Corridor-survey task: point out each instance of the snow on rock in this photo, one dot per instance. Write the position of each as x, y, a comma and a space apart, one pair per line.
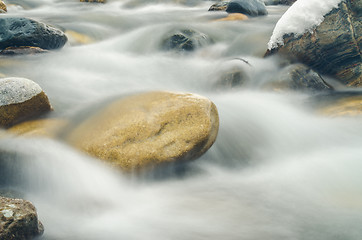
301, 17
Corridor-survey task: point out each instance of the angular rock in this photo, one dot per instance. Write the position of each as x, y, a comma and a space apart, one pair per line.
248, 7
299, 77
3, 8
220, 6
149, 129
333, 47
18, 220
20, 100
18, 32
185, 40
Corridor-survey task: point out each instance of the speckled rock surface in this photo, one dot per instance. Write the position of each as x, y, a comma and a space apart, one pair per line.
334, 47
148, 129
18, 220
21, 99
220, 6
18, 31
248, 7
3, 8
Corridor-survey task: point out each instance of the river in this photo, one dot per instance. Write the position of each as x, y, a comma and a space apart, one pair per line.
277, 171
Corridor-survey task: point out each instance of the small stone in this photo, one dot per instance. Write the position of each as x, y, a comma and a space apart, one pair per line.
21, 99
221, 6
248, 7
234, 17
185, 40
22, 50
94, 1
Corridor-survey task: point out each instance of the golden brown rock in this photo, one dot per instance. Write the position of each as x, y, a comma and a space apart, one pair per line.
234, 17
349, 106
149, 129
76, 38
3, 8
39, 128
21, 99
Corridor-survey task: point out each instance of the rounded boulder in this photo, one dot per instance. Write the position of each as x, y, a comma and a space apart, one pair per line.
149, 129
21, 99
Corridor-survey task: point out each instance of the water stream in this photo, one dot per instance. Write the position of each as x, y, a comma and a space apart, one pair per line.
277, 170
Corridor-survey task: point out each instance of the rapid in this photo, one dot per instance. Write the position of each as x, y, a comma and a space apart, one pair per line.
278, 170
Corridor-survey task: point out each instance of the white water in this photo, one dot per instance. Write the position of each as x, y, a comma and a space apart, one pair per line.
277, 170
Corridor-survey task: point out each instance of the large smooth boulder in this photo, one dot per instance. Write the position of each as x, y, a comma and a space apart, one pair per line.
20, 100
333, 47
19, 31
149, 129
18, 220
248, 7
185, 40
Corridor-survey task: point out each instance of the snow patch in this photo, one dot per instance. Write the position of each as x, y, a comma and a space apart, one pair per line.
301, 17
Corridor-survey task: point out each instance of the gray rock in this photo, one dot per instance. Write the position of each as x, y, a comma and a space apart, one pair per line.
279, 2
21, 99
233, 74
185, 40
248, 7
18, 32
299, 77
18, 220
333, 47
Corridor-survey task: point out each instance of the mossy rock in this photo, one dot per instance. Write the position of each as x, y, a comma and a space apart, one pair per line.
149, 129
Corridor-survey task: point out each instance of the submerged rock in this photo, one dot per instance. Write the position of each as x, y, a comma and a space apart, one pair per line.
299, 77
94, 1
185, 40
149, 129
248, 7
333, 47
18, 220
22, 50
339, 104
39, 128
234, 17
233, 74
281, 2
220, 6
20, 100
18, 32
3, 8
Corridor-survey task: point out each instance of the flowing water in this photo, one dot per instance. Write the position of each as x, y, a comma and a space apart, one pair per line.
277, 170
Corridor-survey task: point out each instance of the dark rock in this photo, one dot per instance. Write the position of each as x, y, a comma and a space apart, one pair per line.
299, 77
248, 7
22, 50
221, 6
18, 32
21, 99
333, 47
279, 2
185, 40
18, 220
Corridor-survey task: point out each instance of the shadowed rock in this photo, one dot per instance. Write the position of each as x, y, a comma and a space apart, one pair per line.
248, 7
185, 40
333, 47
18, 220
